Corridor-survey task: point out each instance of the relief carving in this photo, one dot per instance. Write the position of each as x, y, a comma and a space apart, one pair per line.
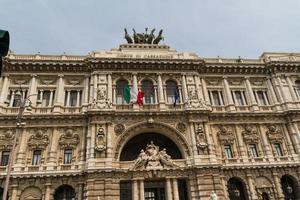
201, 143
68, 139
274, 134
100, 139
250, 135
119, 128
181, 127
225, 136
153, 158
6, 140
102, 99
193, 102
39, 140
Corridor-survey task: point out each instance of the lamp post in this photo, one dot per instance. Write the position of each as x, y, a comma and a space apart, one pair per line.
24, 103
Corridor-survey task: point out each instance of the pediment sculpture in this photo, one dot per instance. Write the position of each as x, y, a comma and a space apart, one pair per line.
6, 140
68, 139
274, 134
225, 136
153, 158
250, 135
39, 140
193, 102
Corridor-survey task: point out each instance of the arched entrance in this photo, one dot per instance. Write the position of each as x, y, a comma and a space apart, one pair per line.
31, 193
236, 189
64, 192
133, 147
290, 187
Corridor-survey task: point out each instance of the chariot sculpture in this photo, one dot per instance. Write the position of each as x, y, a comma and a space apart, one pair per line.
143, 38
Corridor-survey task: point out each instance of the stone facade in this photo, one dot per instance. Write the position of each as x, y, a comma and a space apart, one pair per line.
234, 127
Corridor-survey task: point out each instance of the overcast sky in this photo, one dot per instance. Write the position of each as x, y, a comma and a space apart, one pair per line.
210, 28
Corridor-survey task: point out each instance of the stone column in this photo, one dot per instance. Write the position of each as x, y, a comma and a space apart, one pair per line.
109, 88
193, 138
4, 90
23, 133
184, 89
278, 188
135, 87
205, 92
175, 189
54, 148
160, 89
93, 137
241, 144
68, 98
211, 147
251, 187
197, 82
142, 192
51, 98
60, 97
291, 88
290, 142
294, 133
281, 89
109, 132
135, 195
78, 98
48, 191
14, 192
12, 99
228, 94
272, 92
95, 86
155, 95
265, 142
33, 90
80, 192
168, 189
86, 91
253, 102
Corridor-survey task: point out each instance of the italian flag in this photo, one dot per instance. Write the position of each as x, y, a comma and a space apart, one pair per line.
132, 95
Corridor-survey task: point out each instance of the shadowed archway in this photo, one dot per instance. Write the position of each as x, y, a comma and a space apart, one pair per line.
133, 147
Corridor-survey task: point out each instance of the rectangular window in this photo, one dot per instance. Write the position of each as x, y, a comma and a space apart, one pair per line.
14, 97
125, 190
228, 151
261, 97
73, 98
216, 97
68, 156
278, 149
239, 97
297, 91
253, 150
37, 156
4, 158
46, 97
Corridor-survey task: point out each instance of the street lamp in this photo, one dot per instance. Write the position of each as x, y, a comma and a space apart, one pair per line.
4, 45
24, 104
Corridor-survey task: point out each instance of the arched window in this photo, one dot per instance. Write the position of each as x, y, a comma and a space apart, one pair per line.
236, 189
290, 187
297, 88
64, 192
148, 89
121, 84
172, 92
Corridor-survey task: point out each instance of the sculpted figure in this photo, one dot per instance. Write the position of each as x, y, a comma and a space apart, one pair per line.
127, 37
135, 37
150, 37
158, 38
213, 196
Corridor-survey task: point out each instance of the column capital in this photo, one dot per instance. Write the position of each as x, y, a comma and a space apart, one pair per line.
60, 75
158, 73
134, 73
33, 75
224, 77
247, 77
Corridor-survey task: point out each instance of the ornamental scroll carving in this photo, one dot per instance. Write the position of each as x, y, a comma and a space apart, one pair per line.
193, 102
100, 139
250, 135
274, 134
181, 127
39, 140
201, 143
119, 128
69, 139
7, 139
225, 136
153, 158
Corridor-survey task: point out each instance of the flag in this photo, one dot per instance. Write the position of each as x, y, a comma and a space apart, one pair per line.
133, 95
140, 98
126, 94
176, 97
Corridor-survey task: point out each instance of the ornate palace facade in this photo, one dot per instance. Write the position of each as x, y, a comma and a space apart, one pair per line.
233, 131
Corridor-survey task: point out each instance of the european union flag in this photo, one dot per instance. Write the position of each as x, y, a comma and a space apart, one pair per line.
176, 97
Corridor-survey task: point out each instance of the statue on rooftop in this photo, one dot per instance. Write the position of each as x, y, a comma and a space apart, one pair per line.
143, 38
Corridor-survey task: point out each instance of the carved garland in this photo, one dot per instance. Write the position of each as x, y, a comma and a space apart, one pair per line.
225, 136
274, 134
250, 135
6, 140
69, 139
39, 140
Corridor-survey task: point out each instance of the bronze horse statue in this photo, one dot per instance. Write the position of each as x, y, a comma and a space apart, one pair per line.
158, 38
151, 37
127, 37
